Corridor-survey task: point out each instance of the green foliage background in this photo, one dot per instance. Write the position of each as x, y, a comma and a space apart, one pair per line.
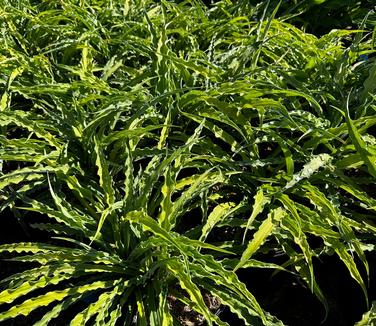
165, 145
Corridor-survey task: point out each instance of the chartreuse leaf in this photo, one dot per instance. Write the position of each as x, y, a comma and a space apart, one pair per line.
105, 214
265, 229
156, 167
44, 254
308, 97
369, 83
369, 318
177, 269
4, 102
71, 268
29, 305
204, 181
125, 134
219, 212
164, 315
216, 130
227, 282
129, 179
150, 225
237, 306
305, 273
260, 201
70, 218
348, 260
166, 204
141, 313
29, 247
106, 309
228, 298
97, 307
8, 296
28, 121
28, 174
251, 263
288, 155
332, 214
202, 245
351, 187
310, 168
361, 147
164, 131
155, 290
66, 213
57, 309
105, 179
116, 313
293, 224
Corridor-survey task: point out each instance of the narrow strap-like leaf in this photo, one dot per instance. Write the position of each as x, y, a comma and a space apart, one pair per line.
261, 234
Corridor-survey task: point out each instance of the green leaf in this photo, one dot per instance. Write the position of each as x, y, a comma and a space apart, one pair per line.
96, 308
219, 213
369, 317
309, 169
150, 225
105, 179
361, 147
177, 269
260, 201
30, 305
265, 229
28, 174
